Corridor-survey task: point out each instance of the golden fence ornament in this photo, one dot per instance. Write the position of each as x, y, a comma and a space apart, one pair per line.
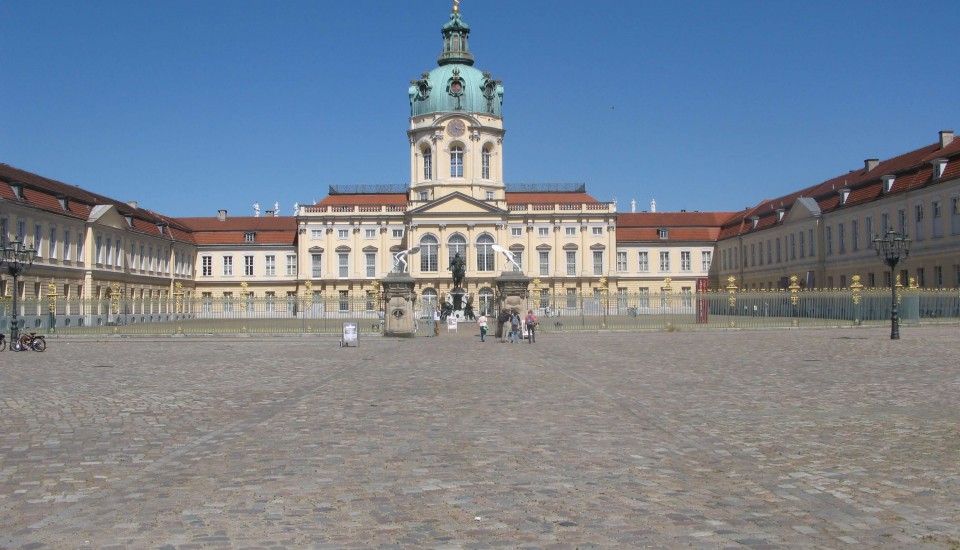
178, 299
52, 297
856, 287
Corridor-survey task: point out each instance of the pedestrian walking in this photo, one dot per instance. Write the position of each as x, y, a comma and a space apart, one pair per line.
531, 322
514, 327
482, 321
503, 325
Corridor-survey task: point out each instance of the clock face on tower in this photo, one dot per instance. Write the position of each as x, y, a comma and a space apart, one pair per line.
456, 128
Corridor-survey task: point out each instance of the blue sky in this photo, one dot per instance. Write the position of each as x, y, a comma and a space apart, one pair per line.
193, 106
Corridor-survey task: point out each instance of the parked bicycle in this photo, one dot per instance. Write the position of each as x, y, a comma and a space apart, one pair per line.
29, 341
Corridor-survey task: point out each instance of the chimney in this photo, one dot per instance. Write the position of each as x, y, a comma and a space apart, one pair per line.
870, 164
132, 204
946, 138
222, 215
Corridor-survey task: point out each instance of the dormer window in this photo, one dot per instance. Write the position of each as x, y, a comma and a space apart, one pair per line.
249, 237
129, 218
17, 189
663, 233
780, 214
754, 220
162, 228
64, 202
888, 182
939, 167
844, 195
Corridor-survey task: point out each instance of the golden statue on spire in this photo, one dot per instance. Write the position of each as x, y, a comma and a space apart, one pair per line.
456, 6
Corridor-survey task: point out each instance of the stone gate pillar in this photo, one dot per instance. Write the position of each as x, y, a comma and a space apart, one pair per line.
398, 297
512, 287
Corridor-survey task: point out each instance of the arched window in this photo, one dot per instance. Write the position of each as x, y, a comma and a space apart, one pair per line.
485, 253
429, 301
485, 297
428, 253
456, 161
456, 243
427, 163
485, 163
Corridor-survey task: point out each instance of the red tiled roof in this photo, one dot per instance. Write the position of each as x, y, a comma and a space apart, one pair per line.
672, 219
239, 237
681, 234
548, 198
269, 229
241, 223
40, 192
912, 170
364, 199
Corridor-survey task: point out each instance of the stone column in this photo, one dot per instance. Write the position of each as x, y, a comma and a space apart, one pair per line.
398, 297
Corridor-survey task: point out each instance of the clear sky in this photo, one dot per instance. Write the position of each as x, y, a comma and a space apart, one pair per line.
193, 106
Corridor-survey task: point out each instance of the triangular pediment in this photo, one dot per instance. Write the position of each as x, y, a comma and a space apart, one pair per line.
456, 203
106, 214
803, 208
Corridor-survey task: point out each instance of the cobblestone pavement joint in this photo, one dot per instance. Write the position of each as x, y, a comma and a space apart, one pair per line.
744, 439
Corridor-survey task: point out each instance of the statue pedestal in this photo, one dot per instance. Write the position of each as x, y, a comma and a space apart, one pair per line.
512, 286
398, 297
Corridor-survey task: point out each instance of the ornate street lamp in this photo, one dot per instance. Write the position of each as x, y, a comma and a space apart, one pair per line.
18, 258
893, 248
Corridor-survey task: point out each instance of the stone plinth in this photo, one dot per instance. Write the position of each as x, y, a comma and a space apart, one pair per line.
398, 297
512, 286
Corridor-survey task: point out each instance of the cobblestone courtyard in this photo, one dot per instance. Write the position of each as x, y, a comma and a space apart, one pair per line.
745, 439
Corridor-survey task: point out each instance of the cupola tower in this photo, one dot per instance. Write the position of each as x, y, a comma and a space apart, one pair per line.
456, 127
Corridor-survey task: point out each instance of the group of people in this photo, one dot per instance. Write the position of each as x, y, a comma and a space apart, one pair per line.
508, 326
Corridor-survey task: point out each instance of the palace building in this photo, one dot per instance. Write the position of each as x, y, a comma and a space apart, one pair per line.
457, 200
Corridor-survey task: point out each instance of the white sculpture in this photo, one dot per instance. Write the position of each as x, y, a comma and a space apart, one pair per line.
296, 208
401, 258
276, 209
508, 254
256, 210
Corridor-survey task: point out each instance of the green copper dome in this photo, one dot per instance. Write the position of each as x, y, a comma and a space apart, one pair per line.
455, 86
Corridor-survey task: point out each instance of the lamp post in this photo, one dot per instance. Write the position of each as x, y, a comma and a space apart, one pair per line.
18, 258
893, 248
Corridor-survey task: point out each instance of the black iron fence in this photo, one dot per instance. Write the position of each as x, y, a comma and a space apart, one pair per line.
566, 312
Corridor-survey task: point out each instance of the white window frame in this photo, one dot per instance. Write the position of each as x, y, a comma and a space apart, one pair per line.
621, 261
291, 265
206, 266
227, 265
270, 265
